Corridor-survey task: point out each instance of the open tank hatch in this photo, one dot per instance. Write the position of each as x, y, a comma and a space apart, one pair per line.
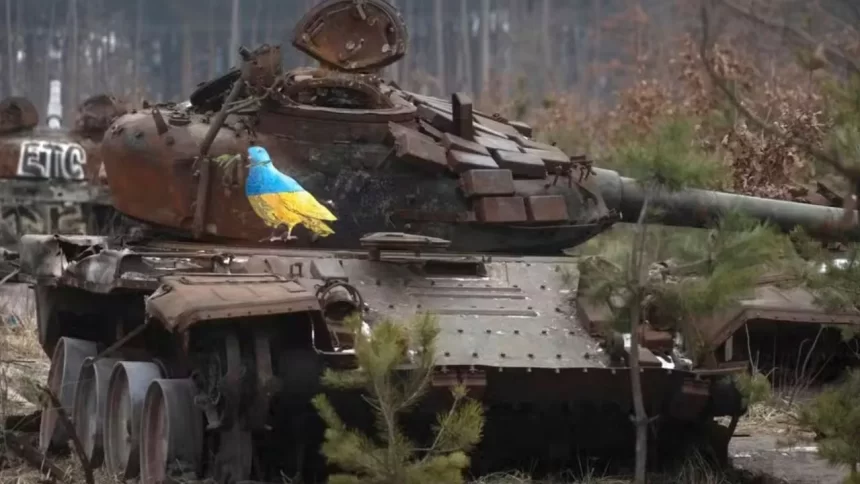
352, 36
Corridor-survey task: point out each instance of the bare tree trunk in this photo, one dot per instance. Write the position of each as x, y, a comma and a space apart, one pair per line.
10, 49
234, 34
138, 25
485, 46
594, 85
270, 29
187, 58
406, 68
640, 417
393, 71
73, 91
466, 26
255, 24
49, 44
212, 47
439, 23
546, 45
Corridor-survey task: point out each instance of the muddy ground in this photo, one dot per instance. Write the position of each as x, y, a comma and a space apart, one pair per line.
758, 449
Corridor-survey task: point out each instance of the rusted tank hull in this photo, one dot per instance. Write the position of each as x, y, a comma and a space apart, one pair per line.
509, 331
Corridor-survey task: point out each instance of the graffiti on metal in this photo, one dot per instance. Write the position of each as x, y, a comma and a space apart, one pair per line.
52, 159
44, 218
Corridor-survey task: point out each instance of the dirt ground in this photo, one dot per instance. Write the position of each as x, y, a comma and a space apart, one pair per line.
762, 454
756, 448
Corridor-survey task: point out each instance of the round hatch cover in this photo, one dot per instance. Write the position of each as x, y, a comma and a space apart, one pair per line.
352, 35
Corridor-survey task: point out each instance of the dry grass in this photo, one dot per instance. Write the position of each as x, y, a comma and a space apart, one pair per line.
23, 365
694, 471
19, 472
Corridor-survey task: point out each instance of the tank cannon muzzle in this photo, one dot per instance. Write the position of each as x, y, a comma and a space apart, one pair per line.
699, 208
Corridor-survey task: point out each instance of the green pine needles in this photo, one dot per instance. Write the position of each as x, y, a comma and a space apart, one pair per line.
835, 417
395, 368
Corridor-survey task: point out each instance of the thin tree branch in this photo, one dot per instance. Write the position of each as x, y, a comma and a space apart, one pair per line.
73, 434
796, 33
23, 449
852, 173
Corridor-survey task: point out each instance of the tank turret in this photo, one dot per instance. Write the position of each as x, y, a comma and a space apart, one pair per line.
388, 159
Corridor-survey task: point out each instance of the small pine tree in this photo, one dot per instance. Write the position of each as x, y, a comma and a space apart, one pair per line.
395, 366
835, 416
725, 264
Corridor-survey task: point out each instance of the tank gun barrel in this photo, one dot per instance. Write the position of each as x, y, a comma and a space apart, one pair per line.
698, 208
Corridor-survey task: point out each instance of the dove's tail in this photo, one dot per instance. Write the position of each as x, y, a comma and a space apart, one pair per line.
317, 226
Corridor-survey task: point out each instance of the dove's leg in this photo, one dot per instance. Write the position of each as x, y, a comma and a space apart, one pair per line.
272, 237
289, 235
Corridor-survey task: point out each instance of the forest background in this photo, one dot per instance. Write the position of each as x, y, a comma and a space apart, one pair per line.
585, 72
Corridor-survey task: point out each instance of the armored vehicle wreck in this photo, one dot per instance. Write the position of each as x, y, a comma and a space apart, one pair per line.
49, 178
196, 347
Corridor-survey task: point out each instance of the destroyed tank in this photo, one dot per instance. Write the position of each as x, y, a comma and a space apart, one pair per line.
49, 177
190, 348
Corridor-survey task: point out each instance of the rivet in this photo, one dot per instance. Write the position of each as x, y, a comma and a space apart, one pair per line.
516, 286
488, 331
447, 353
390, 306
531, 355
558, 310
543, 331
502, 355
460, 331
543, 286
530, 307
419, 306
475, 354
516, 331
558, 356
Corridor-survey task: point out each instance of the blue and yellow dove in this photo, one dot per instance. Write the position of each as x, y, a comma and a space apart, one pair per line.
279, 199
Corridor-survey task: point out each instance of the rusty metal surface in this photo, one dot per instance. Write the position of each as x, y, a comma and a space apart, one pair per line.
546, 208
510, 311
522, 164
17, 114
500, 209
418, 150
460, 161
352, 36
774, 304
48, 155
95, 115
454, 142
184, 300
487, 182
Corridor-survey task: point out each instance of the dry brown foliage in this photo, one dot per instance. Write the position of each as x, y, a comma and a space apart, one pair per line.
778, 90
